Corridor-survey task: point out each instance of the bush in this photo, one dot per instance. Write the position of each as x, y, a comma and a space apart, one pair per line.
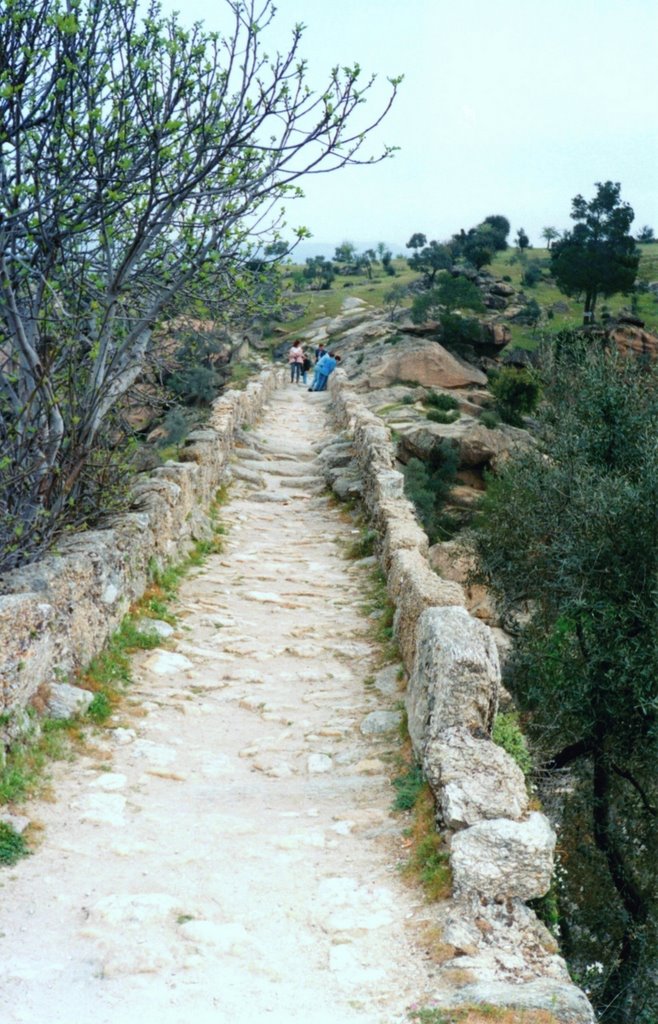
441, 416
195, 385
12, 845
517, 394
531, 275
176, 425
507, 734
490, 419
439, 400
427, 486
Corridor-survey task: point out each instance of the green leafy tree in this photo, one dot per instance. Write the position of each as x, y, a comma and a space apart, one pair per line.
319, 271
137, 158
599, 256
522, 240
646, 235
568, 544
449, 294
549, 235
428, 259
345, 256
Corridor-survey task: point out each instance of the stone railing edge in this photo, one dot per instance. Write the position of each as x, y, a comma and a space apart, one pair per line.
58, 612
501, 851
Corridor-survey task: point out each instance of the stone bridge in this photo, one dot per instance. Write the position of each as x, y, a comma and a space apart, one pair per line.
224, 849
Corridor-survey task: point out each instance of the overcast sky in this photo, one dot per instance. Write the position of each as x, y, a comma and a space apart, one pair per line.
506, 108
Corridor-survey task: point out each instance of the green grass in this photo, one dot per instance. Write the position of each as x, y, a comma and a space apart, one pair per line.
429, 860
408, 787
23, 772
12, 845
505, 264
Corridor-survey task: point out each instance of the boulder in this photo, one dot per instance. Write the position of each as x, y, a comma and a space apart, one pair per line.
502, 858
427, 364
65, 701
473, 779
455, 677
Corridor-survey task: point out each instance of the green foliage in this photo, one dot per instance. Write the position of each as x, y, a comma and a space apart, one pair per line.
441, 400
408, 787
100, 708
429, 259
599, 256
531, 275
449, 294
490, 419
25, 761
195, 385
517, 393
176, 425
443, 416
507, 734
427, 486
12, 845
569, 540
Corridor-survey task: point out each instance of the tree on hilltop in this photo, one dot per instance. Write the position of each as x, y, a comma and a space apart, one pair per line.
599, 255
549, 235
429, 258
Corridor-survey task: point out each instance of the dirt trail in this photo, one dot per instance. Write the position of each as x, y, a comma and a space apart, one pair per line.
233, 861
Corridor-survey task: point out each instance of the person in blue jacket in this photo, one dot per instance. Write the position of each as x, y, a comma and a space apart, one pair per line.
324, 368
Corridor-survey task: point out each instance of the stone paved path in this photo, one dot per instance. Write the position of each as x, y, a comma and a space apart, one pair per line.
226, 854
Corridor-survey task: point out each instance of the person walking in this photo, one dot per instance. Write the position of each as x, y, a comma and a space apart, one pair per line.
325, 367
296, 362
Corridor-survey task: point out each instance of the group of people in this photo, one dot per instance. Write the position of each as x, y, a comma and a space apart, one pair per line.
300, 364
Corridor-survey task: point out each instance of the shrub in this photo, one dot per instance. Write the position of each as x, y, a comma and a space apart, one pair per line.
442, 416
176, 424
489, 419
195, 385
427, 486
12, 845
517, 394
440, 400
531, 275
507, 734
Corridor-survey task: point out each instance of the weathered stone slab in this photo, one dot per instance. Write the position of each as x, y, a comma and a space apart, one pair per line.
455, 677
502, 858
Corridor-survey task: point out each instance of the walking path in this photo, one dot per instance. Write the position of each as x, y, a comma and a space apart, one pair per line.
227, 853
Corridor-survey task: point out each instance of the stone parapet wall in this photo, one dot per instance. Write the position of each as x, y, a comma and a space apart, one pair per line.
501, 852
57, 613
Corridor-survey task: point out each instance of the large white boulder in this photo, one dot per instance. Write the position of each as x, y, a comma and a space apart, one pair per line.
503, 858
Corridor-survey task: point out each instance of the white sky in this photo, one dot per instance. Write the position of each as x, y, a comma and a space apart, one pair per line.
509, 107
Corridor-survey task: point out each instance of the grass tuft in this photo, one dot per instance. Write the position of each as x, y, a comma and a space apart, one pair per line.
12, 845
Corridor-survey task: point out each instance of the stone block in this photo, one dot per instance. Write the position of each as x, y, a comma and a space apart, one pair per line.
455, 677
473, 779
502, 858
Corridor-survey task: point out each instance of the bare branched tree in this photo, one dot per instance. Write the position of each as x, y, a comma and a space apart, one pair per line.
135, 155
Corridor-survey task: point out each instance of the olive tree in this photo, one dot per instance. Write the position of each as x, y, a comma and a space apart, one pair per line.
135, 155
599, 255
569, 539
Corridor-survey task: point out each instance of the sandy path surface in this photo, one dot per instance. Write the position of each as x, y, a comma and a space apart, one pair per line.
234, 860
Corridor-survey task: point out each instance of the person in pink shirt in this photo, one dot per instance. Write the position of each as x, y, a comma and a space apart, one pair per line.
296, 362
